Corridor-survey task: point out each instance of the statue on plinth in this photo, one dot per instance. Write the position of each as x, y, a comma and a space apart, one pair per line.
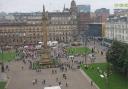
45, 54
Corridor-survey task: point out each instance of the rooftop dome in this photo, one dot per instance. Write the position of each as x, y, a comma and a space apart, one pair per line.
73, 3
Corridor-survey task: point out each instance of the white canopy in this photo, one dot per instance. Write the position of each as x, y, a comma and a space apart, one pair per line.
25, 46
71, 56
52, 87
40, 42
55, 42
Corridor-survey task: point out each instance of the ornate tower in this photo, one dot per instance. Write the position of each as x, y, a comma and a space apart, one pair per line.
73, 8
45, 55
73, 12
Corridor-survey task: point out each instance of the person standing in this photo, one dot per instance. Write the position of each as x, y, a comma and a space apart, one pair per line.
56, 79
44, 81
66, 84
22, 67
52, 71
91, 83
35, 81
55, 71
59, 83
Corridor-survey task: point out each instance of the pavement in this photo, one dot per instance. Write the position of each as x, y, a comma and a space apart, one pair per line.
22, 79
3, 77
76, 79
98, 48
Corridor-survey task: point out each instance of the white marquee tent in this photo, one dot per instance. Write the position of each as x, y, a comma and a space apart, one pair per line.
52, 87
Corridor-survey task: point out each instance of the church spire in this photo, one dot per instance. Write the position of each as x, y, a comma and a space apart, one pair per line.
64, 7
43, 9
44, 14
73, 7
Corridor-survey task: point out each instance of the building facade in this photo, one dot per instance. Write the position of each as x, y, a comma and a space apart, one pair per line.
83, 8
102, 15
117, 28
27, 27
120, 11
83, 19
94, 30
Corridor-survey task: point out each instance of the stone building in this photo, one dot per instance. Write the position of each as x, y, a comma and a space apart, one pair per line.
102, 15
117, 28
27, 27
83, 20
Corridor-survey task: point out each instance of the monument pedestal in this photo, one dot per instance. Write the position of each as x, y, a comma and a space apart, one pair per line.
45, 57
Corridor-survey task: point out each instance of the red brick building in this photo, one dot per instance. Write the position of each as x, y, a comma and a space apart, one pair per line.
83, 21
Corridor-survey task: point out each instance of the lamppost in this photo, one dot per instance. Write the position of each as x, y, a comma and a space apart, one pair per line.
2, 65
85, 45
107, 77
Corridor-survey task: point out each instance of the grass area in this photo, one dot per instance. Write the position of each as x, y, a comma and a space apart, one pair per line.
7, 56
115, 80
2, 85
78, 51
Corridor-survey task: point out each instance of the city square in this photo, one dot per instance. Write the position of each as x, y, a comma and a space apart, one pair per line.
76, 46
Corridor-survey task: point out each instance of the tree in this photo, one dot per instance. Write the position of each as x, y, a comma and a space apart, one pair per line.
118, 56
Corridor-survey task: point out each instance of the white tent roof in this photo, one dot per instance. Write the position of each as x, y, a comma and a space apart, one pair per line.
71, 56
53, 87
55, 42
40, 42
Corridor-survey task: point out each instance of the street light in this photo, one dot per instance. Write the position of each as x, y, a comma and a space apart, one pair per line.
2, 65
107, 77
85, 45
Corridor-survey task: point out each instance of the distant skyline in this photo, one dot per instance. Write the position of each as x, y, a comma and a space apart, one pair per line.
53, 5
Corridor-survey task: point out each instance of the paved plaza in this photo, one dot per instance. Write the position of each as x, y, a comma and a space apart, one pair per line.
98, 48
22, 79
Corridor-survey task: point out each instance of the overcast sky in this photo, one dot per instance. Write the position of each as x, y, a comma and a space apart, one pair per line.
52, 5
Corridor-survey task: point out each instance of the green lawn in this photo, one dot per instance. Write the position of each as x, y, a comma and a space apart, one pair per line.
116, 80
80, 50
7, 56
2, 85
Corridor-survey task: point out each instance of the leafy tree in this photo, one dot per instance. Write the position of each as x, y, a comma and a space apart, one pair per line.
118, 56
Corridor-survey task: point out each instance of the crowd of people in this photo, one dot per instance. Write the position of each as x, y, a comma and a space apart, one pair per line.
61, 80
61, 72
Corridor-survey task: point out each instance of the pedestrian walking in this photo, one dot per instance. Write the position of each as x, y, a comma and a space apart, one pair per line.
7, 68
101, 53
33, 82
72, 61
44, 81
66, 69
55, 71
22, 67
66, 84
59, 83
91, 83
56, 79
24, 61
63, 75
52, 71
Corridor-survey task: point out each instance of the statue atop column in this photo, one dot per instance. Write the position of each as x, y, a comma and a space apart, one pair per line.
45, 54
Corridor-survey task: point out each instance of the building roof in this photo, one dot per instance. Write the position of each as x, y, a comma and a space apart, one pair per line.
58, 14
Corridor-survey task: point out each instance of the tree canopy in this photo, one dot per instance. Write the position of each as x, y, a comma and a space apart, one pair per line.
118, 56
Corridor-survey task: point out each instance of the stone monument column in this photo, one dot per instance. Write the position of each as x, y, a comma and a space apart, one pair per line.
45, 54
